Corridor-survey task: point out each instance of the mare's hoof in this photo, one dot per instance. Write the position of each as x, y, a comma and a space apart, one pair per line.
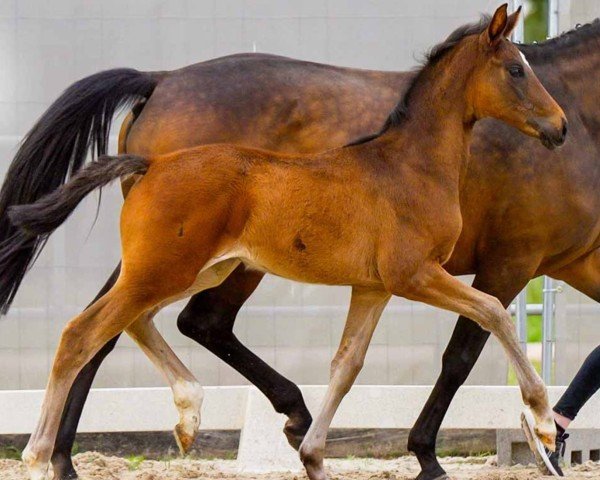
443, 476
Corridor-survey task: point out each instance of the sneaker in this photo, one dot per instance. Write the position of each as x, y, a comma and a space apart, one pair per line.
548, 462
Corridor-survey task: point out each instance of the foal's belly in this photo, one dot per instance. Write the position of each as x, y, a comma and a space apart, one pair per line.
308, 263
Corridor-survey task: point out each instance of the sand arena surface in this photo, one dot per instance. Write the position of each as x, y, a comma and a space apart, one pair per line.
94, 466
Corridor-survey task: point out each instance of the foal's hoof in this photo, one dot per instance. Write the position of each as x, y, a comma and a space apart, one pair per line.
184, 439
545, 430
37, 470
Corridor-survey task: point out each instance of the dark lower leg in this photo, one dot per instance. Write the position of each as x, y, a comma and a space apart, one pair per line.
209, 318
585, 384
460, 356
466, 344
61, 457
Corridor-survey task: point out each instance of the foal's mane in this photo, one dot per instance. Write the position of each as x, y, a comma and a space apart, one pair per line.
401, 111
548, 49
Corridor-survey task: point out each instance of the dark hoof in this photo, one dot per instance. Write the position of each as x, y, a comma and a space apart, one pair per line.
433, 476
63, 469
72, 475
295, 429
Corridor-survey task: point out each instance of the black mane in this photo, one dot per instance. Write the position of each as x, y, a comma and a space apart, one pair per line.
400, 112
547, 50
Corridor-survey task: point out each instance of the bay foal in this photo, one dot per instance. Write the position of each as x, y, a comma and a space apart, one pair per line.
382, 216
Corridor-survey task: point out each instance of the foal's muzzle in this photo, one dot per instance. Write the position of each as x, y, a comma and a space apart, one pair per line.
550, 134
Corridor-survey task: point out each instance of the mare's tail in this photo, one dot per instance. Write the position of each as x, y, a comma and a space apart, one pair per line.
36, 221
55, 149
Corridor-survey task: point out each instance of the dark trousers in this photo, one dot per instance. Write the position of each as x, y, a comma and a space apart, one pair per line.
583, 386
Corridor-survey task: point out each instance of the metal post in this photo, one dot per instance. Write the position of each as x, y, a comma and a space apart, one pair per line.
548, 329
521, 319
552, 18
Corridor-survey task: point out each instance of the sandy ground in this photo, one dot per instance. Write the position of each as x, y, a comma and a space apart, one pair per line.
94, 466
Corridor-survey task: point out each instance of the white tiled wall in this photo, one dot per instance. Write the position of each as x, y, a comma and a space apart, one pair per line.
46, 45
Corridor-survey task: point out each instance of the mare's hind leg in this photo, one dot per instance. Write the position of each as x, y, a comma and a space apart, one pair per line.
366, 307
433, 285
209, 318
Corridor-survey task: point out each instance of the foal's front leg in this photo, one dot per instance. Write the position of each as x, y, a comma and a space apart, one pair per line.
433, 285
366, 307
187, 391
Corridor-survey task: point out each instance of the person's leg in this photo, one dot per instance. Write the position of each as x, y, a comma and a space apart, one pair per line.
584, 275
585, 384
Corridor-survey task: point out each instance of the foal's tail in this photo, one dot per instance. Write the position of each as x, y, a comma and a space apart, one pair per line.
35, 222
56, 148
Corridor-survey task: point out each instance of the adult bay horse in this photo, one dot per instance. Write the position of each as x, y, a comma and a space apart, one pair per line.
526, 211
382, 215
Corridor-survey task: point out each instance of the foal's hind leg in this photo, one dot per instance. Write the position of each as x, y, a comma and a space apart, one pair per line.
187, 391
433, 285
366, 307
81, 339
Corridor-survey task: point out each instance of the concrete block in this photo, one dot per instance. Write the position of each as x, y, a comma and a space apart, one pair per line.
263, 447
512, 447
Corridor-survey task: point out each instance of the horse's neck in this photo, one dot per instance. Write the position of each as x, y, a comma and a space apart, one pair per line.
439, 124
572, 75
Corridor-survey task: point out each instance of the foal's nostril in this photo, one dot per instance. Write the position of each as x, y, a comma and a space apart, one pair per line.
564, 129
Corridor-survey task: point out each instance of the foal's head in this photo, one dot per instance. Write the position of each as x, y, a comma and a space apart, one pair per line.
504, 86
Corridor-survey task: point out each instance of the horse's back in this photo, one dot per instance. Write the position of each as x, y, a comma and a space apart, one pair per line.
264, 101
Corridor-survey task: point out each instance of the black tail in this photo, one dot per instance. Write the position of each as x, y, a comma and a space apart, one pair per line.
56, 148
36, 221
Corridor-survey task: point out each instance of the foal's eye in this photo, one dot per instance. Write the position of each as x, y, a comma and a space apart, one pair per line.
516, 71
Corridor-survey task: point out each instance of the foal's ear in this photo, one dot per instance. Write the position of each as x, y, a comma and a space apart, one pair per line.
512, 21
498, 24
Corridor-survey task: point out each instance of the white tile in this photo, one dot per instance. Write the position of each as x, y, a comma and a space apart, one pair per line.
8, 126
205, 366
112, 9
45, 58
87, 48
280, 36
229, 8
313, 40
46, 9
130, 42
34, 368
33, 332
199, 40
8, 59
174, 8
172, 44
10, 361
228, 37
272, 8
117, 370
10, 331
8, 8
313, 8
